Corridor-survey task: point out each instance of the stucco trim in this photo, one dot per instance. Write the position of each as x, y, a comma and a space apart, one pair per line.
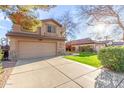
36, 36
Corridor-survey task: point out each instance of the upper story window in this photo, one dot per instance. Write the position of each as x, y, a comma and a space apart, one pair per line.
51, 29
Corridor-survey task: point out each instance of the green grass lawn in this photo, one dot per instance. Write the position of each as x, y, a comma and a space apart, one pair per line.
86, 58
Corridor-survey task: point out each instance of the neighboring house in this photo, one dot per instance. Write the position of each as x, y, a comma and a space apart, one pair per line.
110, 43
48, 40
118, 44
102, 44
76, 45
105, 43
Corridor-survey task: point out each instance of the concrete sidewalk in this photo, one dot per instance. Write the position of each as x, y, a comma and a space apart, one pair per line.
51, 73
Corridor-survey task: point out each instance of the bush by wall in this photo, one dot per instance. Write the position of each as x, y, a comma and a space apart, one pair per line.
112, 58
85, 48
1, 55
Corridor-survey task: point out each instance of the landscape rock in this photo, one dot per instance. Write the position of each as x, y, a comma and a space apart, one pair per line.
109, 79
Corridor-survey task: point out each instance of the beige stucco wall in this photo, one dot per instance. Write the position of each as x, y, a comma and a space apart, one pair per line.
99, 46
43, 30
60, 47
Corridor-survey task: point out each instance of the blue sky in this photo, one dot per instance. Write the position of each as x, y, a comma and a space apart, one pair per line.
6, 25
59, 11
82, 31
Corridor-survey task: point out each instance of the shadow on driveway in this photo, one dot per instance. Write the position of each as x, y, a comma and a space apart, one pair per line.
32, 60
10, 64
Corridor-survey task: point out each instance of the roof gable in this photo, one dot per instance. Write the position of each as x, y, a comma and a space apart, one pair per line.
54, 21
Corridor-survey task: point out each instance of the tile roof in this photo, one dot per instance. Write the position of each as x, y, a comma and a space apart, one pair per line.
90, 41
81, 41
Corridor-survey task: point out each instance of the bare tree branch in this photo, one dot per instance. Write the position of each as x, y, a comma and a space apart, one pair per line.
67, 21
106, 14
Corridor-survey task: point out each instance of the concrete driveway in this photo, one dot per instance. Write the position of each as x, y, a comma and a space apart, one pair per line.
54, 72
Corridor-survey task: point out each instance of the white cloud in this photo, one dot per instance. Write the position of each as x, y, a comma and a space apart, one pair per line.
3, 28
102, 30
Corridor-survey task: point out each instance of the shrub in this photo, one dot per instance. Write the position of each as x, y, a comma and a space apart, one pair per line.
85, 48
1, 55
112, 58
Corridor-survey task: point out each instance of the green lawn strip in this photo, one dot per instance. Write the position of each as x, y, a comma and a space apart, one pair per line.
86, 59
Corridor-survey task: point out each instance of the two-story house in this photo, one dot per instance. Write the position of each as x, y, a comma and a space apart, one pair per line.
48, 40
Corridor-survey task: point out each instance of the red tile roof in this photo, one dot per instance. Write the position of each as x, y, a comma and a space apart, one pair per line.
90, 41
80, 42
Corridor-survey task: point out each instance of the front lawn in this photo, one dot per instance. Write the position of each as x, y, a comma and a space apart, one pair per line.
86, 58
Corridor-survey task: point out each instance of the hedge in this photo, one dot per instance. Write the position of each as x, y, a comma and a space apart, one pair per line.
85, 48
1, 55
112, 58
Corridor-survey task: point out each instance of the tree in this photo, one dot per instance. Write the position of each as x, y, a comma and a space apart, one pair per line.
23, 15
70, 26
107, 14
4, 41
28, 23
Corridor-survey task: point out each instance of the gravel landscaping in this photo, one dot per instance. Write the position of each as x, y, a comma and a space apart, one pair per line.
6, 70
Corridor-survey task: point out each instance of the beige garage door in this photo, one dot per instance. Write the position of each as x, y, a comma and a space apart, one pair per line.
36, 49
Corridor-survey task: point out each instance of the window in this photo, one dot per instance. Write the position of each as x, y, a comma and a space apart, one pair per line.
51, 29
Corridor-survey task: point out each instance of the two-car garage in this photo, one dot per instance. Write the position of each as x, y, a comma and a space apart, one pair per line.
36, 49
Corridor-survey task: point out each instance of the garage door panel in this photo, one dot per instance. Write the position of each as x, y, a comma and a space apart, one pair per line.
36, 49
